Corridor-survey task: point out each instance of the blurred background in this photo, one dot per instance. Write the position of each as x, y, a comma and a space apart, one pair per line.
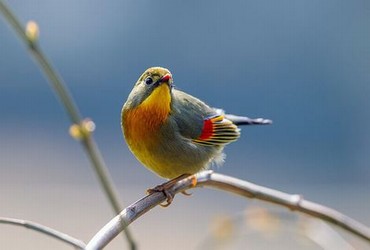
304, 64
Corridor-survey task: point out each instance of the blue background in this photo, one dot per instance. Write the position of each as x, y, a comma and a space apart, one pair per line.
303, 64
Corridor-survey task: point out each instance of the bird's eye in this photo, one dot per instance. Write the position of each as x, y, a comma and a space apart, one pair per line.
149, 80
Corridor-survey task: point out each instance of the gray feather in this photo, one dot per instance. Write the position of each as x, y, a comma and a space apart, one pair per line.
189, 113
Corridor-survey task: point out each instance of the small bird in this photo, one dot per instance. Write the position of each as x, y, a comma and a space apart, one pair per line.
173, 133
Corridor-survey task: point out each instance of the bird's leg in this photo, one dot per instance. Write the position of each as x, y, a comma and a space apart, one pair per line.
169, 184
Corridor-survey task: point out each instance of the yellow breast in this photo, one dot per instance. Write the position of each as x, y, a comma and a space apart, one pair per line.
142, 123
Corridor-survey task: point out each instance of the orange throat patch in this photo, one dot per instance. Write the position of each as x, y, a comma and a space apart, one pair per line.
142, 123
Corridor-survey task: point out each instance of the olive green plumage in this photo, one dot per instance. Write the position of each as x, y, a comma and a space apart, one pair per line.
171, 132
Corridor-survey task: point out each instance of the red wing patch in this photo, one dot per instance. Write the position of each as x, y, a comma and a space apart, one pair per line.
217, 131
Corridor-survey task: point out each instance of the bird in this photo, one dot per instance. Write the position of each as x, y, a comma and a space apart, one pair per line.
175, 134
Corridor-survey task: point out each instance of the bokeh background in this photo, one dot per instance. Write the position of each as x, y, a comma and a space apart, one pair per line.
305, 64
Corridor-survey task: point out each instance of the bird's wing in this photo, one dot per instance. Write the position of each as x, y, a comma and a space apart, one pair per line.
200, 123
217, 131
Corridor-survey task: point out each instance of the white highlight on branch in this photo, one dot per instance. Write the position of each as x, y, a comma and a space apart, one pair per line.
233, 185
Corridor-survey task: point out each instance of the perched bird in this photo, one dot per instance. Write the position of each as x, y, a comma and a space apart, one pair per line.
173, 133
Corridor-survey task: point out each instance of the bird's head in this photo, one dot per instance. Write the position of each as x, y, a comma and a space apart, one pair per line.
152, 89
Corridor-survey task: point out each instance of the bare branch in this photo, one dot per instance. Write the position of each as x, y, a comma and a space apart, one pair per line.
30, 38
233, 185
44, 230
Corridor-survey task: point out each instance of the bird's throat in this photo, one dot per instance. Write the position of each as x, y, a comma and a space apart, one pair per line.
143, 122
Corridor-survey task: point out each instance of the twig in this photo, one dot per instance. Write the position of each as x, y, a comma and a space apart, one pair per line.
60, 89
233, 185
45, 230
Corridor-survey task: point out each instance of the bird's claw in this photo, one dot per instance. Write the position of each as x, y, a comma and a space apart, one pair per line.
186, 193
162, 188
167, 185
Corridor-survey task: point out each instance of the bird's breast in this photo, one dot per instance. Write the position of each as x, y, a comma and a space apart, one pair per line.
142, 123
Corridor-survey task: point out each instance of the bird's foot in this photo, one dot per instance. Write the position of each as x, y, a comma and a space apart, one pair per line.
186, 193
169, 184
193, 184
164, 189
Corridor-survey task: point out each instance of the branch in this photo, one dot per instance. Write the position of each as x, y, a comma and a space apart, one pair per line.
44, 230
232, 185
81, 128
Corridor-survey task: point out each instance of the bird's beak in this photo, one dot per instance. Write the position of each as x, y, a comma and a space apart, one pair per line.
167, 78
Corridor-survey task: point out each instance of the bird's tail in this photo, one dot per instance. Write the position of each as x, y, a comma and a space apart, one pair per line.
243, 120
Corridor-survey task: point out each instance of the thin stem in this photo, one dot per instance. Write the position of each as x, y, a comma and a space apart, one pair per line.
44, 230
96, 159
233, 185
65, 97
